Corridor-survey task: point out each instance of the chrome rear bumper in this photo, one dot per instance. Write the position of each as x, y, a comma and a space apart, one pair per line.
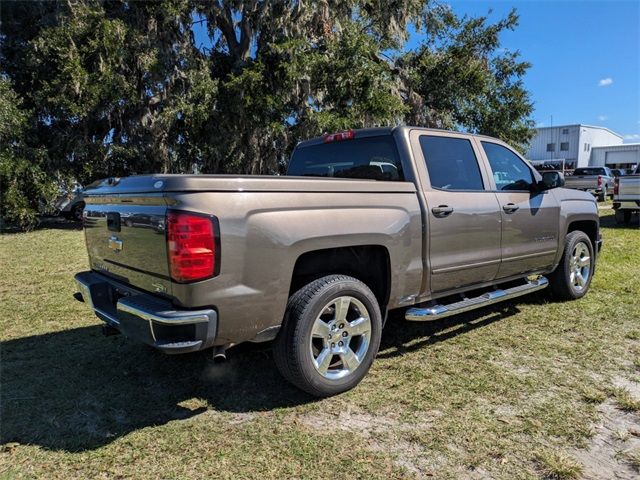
147, 318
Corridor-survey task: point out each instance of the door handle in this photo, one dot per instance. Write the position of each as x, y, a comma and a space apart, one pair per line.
442, 210
510, 207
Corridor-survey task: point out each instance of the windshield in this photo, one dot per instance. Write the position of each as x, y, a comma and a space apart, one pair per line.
374, 158
589, 171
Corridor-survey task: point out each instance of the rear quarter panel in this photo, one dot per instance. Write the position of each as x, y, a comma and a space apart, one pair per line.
263, 234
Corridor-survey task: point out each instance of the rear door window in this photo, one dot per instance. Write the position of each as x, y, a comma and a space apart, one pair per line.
451, 163
374, 158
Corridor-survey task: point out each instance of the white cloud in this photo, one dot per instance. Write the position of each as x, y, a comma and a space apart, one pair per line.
633, 136
605, 82
602, 118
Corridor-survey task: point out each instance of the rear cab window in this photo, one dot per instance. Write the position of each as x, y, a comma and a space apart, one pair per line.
589, 171
374, 158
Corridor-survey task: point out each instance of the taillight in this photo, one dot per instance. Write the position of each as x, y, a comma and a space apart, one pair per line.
193, 246
339, 136
616, 185
599, 181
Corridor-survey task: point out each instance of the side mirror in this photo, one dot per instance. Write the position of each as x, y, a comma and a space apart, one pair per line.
551, 180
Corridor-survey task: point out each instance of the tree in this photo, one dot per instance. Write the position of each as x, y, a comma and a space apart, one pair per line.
25, 188
115, 88
461, 79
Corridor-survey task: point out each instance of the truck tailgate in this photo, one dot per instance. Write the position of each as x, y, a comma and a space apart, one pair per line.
582, 182
125, 236
628, 188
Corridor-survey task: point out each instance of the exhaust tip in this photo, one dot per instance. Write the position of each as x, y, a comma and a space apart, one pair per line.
219, 354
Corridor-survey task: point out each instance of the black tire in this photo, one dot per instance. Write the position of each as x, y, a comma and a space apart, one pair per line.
292, 349
560, 281
603, 195
76, 212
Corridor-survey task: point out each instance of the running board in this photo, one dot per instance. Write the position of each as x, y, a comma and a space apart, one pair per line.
436, 312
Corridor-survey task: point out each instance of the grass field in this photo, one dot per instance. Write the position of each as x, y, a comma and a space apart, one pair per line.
529, 389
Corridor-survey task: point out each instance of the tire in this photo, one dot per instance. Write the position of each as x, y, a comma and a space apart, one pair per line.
76, 212
564, 282
603, 195
317, 364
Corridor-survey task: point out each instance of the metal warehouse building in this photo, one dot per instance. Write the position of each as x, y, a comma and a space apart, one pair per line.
582, 146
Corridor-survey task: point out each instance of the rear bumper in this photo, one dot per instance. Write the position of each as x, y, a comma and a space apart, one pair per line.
626, 205
145, 317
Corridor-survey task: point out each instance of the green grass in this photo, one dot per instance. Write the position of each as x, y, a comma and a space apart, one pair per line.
558, 465
493, 393
625, 400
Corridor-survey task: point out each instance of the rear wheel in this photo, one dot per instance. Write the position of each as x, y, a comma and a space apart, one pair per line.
572, 278
603, 195
330, 335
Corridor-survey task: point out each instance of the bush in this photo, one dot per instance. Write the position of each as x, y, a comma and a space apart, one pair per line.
26, 190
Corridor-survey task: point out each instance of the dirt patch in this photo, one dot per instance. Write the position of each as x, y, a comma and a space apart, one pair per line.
366, 424
616, 433
386, 433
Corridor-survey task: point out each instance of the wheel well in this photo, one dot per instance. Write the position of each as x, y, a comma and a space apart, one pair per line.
587, 226
367, 263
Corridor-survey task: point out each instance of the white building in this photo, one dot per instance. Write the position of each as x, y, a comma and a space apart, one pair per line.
582, 146
626, 155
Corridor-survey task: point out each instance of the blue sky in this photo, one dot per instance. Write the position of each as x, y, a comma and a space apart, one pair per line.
585, 58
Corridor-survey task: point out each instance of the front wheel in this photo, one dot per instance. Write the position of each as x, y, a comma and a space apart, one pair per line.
76, 212
572, 278
330, 335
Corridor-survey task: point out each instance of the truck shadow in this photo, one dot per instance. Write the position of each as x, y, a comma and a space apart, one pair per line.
398, 333
609, 221
75, 390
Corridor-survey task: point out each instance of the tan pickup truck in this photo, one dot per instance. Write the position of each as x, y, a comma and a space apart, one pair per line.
366, 221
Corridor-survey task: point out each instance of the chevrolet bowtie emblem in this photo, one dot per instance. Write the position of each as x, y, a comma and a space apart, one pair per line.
115, 243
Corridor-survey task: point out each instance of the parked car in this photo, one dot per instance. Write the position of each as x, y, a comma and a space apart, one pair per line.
71, 204
618, 172
315, 260
595, 180
626, 196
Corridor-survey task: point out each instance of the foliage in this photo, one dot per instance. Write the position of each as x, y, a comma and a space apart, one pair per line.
459, 80
117, 88
24, 186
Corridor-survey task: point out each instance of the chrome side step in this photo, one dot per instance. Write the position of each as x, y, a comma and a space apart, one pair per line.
436, 312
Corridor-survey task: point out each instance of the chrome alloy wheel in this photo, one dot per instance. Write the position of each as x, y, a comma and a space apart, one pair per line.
580, 266
340, 337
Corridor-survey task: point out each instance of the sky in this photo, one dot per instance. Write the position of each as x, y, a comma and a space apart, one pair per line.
585, 57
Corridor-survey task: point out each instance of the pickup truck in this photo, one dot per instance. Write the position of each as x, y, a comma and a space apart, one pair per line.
626, 196
596, 180
366, 221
